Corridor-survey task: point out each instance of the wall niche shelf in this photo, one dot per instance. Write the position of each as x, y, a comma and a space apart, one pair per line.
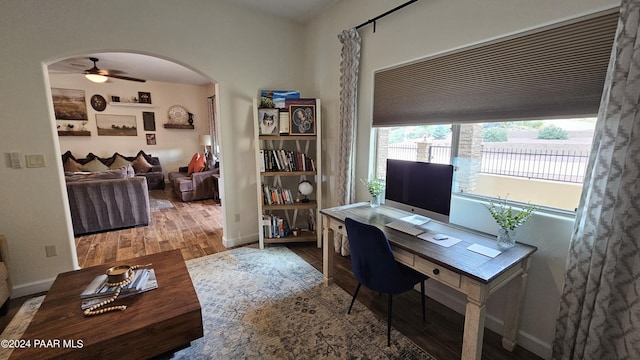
130, 104
178, 126
74, 133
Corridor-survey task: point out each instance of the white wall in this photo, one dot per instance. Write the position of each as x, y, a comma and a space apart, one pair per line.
240, 50
420, 30
174, 147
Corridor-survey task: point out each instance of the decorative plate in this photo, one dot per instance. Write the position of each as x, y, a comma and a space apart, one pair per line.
178, 114
98, 103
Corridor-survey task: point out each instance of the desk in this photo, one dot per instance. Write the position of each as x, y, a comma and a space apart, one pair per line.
475, 275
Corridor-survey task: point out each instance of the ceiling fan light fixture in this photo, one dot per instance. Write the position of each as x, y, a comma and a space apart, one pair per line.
96, 78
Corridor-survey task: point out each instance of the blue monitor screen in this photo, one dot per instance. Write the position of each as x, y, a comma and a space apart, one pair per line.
419, 187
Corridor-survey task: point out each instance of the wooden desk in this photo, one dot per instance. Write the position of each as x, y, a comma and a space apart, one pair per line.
154, 323
475, 275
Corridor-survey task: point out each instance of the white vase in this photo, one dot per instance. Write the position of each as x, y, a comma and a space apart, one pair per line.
506, 238
375, 201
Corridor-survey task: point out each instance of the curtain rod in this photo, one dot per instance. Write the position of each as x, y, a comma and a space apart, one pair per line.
383, 15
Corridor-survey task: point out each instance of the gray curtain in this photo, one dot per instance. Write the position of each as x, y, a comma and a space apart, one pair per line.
349, 66
212, 126
600, 306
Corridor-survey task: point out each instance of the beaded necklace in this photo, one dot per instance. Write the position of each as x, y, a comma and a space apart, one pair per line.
95, 309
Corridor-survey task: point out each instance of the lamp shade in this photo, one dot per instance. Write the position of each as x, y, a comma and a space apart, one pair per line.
96, 78
205, 140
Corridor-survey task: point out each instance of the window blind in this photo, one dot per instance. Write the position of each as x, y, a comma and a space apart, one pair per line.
551, 73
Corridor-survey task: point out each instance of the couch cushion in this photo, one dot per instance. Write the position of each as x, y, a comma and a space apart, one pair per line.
141, 165
71, 165
118, 162
183, 184
94, 165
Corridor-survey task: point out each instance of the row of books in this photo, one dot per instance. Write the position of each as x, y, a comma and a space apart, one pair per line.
274, 226
285, 160
97, 291
276, 195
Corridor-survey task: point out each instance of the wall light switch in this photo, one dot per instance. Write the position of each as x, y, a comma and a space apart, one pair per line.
13, 159
34, 161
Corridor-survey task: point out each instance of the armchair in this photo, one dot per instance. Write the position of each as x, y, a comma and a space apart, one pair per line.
194, 186
5, 280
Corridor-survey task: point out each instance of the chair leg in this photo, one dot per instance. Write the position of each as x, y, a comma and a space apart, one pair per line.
424, 317
389, 321
354, 298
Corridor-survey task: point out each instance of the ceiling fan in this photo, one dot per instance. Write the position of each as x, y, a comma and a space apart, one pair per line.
97, 75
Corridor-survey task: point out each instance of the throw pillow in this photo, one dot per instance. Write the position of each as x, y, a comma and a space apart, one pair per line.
192, 163
118, 162
71, 165
141, 165
94, 165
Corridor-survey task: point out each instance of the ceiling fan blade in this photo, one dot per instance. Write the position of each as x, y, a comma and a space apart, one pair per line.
125, 77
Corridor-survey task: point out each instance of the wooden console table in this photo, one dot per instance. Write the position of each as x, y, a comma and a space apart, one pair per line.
155, 322
473, 274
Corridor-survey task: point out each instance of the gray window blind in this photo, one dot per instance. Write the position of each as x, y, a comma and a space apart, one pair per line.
552, 73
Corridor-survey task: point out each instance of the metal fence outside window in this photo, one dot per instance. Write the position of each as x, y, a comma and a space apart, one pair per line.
554, 165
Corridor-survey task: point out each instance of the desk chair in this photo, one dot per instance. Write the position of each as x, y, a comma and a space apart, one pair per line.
374, 266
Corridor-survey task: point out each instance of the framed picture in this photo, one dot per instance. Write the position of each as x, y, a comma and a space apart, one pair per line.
268, 121
144, 97
302, 119
278, 96
116, 125
69, 104
151, 139
149, 120
284, 122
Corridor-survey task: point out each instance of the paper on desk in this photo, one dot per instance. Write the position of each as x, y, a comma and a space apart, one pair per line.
415, 219
486, 251
446, 242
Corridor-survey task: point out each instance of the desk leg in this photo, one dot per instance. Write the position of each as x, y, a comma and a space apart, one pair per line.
327, 251
514, 311
473, 330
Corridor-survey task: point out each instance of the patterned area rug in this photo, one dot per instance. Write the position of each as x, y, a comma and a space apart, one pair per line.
159, 204
19, 323
271, 304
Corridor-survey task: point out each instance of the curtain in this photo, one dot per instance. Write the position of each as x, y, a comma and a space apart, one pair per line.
212, 127
600, 308
349, 65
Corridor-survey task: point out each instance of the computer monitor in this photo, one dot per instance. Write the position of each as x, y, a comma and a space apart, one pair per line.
419, 187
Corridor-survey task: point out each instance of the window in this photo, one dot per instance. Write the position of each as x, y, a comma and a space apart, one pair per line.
542, 162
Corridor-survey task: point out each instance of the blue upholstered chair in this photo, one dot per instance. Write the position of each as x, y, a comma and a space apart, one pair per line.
374, 266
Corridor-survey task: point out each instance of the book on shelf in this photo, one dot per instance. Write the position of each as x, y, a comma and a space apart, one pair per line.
285, 160
275, 227
150, 283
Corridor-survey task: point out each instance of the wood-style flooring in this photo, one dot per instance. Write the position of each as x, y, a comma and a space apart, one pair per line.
196, 229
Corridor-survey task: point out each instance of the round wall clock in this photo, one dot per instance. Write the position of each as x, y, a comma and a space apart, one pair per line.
98, 103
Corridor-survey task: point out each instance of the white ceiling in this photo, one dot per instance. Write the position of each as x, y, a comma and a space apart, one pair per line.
155, 69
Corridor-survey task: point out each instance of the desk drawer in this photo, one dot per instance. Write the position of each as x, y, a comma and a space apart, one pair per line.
437, 272
403, 256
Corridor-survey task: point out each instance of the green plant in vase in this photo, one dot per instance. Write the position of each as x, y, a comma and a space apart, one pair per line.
376, 188
509, 220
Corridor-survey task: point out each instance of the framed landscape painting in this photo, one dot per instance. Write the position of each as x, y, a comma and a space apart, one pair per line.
116, 125
69, 104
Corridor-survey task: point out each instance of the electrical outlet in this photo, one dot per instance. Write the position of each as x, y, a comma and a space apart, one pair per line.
51, 250
237, 217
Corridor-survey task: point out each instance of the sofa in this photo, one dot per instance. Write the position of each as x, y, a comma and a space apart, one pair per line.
107, 200
5, 280
196, 181
143, 164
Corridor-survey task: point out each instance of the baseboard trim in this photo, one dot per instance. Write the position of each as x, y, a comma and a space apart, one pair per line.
526, 340
229, 243
32, 288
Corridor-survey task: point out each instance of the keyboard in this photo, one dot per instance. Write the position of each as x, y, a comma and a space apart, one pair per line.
405, 227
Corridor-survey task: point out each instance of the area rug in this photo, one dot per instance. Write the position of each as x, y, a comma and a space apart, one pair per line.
159, 204
271, 304
19, 323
